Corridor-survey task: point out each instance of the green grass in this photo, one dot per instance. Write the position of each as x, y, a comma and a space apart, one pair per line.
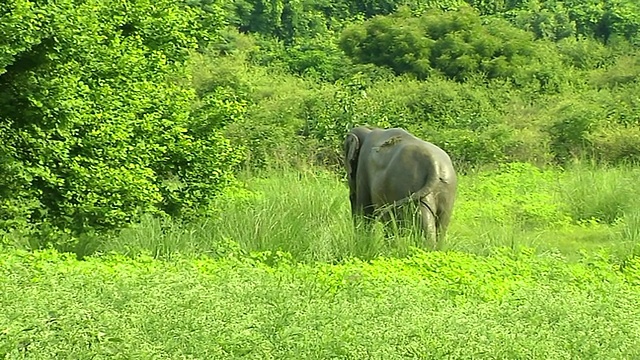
306, 213
435, 305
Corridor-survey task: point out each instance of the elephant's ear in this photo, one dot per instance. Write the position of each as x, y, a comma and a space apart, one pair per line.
352, 144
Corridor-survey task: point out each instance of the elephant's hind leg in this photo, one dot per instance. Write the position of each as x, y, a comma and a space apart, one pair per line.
429, 221
445, 210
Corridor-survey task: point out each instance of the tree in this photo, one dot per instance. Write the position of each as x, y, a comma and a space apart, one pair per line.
94, 128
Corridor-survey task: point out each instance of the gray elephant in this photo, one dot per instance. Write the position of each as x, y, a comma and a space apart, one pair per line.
388, 168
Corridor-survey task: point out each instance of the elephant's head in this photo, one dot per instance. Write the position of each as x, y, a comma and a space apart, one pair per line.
352, 143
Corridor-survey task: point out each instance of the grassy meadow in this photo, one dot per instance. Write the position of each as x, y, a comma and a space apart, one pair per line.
538, 263
171, 183
437, 305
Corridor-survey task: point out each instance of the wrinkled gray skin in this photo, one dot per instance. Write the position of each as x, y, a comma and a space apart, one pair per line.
388, 168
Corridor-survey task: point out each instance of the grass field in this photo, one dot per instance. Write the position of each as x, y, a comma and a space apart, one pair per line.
538, 264
509, 305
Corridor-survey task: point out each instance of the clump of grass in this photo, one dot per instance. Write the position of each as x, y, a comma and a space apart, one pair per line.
603, 194
303, 213
629, 233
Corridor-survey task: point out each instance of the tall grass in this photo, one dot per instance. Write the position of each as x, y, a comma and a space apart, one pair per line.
605, 194
306, 214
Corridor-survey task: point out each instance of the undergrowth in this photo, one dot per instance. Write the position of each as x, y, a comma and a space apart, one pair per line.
306, 213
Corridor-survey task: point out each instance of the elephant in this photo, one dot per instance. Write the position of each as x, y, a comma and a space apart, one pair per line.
389, 168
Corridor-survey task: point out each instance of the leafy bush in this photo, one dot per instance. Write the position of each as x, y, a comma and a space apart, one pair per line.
94, 130
616, 143
624, 71
318, 57
606, 20
596, 124
584, 53
573, 122
394, 41
458, 44
545, 23
460, 118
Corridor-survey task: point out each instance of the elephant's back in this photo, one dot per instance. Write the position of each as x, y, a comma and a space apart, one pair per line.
426, 159
437, 156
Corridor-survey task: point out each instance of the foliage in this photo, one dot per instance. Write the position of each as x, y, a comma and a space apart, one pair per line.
458, 44
511, 304
94, 129
555, 20
306, 213
584, 53
538, 83
604, 195
132, 111
102, 121
289, 20
553, 24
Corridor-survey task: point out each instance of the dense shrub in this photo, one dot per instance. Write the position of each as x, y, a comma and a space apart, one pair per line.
600, 124
584, 53
459, 44
289, 20
569, 130
554, 20
546, 24
93, 128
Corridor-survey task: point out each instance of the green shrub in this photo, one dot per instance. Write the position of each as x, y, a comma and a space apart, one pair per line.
572, 122
469, 148
459, 44
318, 57
545, 23
616, 144
584, 53
623, 72
599, 125
94, 130
395, 41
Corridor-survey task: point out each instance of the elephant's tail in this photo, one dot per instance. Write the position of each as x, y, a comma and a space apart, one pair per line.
431, 181
418, 196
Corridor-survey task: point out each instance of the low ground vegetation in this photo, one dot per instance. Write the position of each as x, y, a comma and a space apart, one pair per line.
529, 268
512, 304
